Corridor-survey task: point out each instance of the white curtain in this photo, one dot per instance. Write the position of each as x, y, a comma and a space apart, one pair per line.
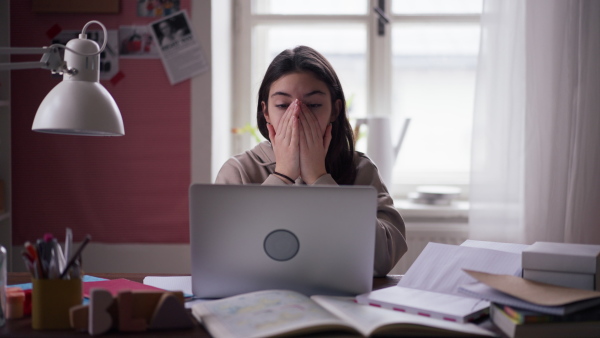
536, 138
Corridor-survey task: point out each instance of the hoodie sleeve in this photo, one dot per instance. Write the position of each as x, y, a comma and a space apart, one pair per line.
231, 173
390, 238
249, 172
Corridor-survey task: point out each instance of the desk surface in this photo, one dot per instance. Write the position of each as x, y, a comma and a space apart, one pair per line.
22, 327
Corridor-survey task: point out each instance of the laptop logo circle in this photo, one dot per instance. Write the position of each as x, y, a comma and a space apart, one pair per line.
281, 245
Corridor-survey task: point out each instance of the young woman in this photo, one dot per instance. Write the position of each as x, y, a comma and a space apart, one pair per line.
302, 112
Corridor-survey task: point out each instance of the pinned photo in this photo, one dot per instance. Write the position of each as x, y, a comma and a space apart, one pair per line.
137, 42
181, 53
172, 31
157, 8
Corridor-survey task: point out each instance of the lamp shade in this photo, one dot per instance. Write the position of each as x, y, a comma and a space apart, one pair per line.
79, 104
79, 108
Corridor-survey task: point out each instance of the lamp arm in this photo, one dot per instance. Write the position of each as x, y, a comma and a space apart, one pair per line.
50, 59
23, 50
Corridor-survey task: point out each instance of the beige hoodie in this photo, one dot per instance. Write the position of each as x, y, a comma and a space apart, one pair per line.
257, 166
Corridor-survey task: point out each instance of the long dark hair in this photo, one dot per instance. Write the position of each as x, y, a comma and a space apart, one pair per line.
339, 160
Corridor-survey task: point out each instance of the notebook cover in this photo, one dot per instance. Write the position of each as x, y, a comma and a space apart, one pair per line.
116, 285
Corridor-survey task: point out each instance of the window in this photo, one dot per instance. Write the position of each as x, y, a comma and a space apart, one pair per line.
422, 68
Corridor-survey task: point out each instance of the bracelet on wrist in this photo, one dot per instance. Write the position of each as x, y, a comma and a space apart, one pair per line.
284, 176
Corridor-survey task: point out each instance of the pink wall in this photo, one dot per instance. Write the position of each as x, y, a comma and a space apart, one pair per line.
130, 189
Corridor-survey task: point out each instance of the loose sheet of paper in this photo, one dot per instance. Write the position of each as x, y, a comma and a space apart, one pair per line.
507, 247
171, 283
439, 267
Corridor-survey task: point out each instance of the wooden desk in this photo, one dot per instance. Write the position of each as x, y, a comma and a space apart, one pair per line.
22, 327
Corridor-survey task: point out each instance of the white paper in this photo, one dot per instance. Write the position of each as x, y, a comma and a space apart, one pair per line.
171, 283
181, 53
507, 247
439, 267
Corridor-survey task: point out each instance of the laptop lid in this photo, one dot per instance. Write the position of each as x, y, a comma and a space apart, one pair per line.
314, 240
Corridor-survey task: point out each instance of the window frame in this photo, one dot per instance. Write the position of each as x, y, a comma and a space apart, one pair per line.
378, 58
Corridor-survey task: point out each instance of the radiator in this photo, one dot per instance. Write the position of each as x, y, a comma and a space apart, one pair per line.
419, 234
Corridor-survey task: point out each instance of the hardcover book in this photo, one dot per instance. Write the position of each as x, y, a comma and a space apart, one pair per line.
563, 257
513, 328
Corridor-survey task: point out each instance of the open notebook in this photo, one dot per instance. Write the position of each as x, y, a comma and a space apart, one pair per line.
431, 286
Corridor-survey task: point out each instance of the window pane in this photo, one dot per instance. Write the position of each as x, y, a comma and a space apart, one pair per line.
344, 45
434, 83
437, 6
333, 7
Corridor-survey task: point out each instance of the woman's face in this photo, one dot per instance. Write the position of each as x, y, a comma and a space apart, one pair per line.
309, 90
165, 28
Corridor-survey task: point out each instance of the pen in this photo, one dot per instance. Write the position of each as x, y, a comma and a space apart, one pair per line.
31, 250
54, 264
60, 257
68, 244
35, 259
42, 255
28, 262
76, 256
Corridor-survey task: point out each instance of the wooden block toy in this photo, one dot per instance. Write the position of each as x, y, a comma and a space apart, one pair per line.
170, 314
144, 302
15, 303
127, 321
100, 319
79, 317
131, 311
27, 304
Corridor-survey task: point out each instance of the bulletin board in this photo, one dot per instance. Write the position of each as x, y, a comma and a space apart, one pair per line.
129, 189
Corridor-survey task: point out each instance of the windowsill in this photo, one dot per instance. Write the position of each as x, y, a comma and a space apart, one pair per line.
457, 212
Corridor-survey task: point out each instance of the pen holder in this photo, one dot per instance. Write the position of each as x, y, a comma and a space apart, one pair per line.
51, 301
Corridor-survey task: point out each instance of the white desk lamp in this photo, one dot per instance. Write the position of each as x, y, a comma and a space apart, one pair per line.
79, 105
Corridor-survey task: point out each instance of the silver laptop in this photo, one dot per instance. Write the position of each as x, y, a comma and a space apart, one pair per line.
315, 240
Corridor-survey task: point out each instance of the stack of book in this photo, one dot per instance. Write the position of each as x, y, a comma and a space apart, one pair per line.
525, 308
565, 264
515, 322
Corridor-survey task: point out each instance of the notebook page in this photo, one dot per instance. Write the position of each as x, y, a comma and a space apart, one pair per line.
439, 267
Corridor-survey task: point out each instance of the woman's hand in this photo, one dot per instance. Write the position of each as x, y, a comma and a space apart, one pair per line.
314, 143
285, 142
